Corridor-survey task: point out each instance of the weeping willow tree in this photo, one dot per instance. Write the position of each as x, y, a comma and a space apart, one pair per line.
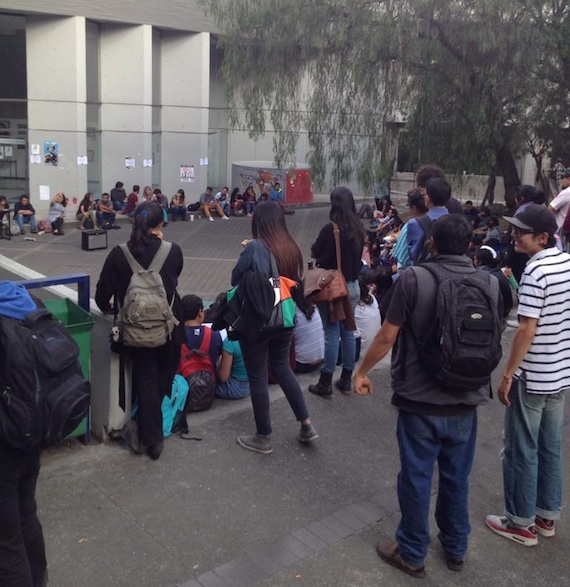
464, 74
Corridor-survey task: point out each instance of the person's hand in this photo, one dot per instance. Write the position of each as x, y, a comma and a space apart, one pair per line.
244, 243
504, 390
362, 385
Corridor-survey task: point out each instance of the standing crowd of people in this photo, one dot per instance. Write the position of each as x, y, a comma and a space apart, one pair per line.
398, 300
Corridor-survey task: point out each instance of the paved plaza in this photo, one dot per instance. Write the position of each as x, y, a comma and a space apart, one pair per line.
210, 514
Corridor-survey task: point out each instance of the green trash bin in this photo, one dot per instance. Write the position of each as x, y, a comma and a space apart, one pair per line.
79, 324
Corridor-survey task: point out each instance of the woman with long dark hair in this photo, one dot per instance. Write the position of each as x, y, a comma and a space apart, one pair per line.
270, 235
352, 237
153, 369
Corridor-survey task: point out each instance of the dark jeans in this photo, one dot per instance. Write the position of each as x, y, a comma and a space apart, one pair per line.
153, 371
423, 441
22, 549
105, 218
271, 350
178, 212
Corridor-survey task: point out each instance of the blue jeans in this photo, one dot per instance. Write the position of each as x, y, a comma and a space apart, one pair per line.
423, 440
532, 463
271, 350
105, 218
336, 335
30, 219
232, 389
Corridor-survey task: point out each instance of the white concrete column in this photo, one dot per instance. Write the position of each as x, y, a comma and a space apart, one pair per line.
185, 96
126, 103
55, 52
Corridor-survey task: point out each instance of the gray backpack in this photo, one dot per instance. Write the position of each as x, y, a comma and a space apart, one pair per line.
146, 319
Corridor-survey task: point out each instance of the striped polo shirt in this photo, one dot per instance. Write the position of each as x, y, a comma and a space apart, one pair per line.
544, 294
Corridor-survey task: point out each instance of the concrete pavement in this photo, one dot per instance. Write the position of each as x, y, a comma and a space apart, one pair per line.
209, 513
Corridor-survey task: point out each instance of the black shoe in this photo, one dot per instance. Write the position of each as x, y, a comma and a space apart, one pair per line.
453, 563
344, 384
115, 227
155, 451
323, 388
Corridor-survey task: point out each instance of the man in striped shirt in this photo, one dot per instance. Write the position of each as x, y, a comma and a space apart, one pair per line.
535, 378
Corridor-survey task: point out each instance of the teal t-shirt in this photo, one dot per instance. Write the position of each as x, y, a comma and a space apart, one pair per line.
238, 366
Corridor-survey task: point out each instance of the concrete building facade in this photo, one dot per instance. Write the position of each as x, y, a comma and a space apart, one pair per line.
92, 94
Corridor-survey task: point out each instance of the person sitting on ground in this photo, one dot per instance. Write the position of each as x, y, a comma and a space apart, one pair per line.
493, 236
366, 316
193, 315
208, 203
132, 202
118, 196
178, 206
4, 208
24, 213
105, 214
487, 259
56, 214
471, 213
148, 195
86, 211
232, 375
223, 200
249, 200
162, 201
308, 337
236, 202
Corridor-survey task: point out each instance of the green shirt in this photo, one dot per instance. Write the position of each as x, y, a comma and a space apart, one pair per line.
238, 366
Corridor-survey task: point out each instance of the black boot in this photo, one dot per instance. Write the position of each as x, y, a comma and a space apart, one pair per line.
323, 387
344, 384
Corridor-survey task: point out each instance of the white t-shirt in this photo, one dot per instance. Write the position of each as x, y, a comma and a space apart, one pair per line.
561, 204
309, 338
543, 294
368, 323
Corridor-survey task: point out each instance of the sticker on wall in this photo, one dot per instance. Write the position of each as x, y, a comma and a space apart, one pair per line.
35, 149
203, 161
44, 193
187, 173
8, 151
35, 158
147, 162
51, 153
129, 162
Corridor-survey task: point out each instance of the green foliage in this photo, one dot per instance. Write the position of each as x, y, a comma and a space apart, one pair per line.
476, 79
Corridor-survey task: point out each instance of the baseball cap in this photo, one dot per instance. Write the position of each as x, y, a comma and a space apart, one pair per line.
566, 172
534, 217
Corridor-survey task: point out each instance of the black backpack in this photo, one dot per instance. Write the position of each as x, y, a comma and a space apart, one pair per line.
43, 395
462, 344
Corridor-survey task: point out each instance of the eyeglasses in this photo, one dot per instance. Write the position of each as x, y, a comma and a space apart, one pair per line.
522, 231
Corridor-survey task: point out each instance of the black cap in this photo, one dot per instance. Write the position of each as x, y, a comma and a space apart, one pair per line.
566, 172
534, 217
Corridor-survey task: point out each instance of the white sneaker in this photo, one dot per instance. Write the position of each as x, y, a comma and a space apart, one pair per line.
225, 218
211, 219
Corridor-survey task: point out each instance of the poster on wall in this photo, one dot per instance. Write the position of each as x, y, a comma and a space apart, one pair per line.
129, 162
187, 173
51, 152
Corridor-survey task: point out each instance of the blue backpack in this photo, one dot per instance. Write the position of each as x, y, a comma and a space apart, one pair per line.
173, 412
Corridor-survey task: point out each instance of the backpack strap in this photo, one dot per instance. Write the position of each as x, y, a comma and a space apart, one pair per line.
160, 257
425, 223
336, 231
133, 263
274, 269
205, 344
